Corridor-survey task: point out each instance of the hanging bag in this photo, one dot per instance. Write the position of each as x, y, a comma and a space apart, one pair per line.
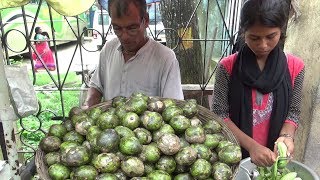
22, 94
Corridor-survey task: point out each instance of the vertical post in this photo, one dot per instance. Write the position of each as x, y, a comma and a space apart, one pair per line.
8, 118
2, 32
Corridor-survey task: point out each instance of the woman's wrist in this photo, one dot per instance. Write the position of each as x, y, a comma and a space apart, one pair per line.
287, 135
288, 131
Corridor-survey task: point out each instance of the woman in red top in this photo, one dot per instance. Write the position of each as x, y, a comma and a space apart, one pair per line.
258, 90
43, 50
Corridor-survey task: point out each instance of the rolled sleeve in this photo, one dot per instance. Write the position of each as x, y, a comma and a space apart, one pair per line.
96, 81
171, 79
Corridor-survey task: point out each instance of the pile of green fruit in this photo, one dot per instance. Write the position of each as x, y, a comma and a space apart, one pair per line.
139, 137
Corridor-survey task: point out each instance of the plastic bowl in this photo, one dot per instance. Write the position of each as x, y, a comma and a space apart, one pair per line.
302, 170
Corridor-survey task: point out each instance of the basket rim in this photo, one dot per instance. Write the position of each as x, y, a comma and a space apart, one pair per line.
204, 113
41, 167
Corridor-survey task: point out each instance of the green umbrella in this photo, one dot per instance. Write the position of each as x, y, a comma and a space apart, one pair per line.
12, 3
64, 7
70, 7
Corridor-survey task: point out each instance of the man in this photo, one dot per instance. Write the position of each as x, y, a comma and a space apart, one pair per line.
133, 62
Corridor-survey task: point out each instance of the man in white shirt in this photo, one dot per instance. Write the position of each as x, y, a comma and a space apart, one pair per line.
133, 62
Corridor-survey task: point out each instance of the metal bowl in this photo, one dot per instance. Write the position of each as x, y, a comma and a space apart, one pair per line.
247, 167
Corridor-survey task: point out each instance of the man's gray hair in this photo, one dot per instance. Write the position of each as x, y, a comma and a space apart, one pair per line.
122, 6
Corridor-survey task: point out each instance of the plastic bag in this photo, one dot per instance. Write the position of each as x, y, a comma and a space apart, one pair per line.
23, 95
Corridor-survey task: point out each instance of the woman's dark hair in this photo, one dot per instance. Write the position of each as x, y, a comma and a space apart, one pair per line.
37, 31
122, 6
270, 13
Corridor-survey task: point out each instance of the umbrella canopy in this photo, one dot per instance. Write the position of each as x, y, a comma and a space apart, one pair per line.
70, 7
64, 7
104, 3
12, 3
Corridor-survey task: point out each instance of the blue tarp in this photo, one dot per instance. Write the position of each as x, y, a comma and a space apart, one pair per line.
152, 1
104, 4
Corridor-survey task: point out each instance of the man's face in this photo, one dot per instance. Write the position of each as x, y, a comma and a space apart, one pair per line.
129, 28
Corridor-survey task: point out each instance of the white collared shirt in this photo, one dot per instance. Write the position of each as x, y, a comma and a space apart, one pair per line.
154, 70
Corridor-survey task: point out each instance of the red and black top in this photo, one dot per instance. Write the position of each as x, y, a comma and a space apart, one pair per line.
262, 104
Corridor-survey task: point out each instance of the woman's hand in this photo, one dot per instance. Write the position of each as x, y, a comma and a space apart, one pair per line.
289, 143
261, 155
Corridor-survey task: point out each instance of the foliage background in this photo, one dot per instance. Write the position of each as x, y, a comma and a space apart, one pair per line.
33, 128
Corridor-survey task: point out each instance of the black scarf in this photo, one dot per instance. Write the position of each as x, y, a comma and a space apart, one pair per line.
274, 78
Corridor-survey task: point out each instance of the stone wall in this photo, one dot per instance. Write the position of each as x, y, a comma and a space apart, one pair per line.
312, 155
303, 40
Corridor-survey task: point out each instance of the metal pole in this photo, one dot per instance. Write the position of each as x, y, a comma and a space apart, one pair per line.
8, 118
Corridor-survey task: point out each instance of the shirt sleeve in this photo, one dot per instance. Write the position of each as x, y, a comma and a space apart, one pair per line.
296, 98
97, 78
220, 104
171, 80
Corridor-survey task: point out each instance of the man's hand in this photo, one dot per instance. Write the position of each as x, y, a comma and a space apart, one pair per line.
84, 107
93, 97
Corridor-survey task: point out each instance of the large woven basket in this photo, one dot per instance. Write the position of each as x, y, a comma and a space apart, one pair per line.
204, 115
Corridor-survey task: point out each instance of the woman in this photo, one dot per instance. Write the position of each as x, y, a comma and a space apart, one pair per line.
43, 50
258, 90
